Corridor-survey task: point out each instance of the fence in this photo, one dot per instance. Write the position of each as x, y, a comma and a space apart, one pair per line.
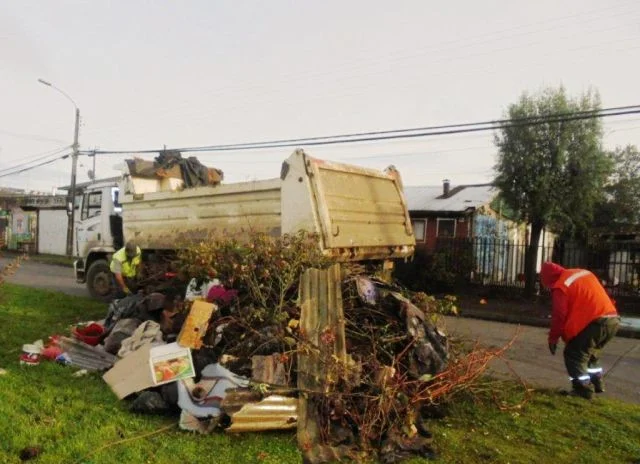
496, 262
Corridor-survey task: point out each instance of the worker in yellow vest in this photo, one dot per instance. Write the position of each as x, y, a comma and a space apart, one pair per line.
125, 266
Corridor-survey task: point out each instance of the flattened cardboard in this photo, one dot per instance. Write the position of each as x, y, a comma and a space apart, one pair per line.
131, 374
196, 325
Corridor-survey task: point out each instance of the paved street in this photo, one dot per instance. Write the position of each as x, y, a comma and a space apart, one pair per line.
529, 356
46, 276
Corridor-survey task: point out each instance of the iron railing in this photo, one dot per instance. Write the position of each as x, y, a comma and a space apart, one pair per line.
498, 262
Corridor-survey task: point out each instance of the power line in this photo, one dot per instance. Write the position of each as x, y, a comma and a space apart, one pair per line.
37, 157
36, 165
395, 134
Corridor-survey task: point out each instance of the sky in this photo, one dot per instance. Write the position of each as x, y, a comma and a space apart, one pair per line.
149, 74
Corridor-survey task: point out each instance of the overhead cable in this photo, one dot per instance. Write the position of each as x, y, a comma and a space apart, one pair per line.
395, 134
36, 157
36, 165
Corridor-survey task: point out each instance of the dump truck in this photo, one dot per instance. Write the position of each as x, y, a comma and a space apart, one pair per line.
358, 214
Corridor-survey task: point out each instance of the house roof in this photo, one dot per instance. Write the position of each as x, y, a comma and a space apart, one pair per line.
460, 198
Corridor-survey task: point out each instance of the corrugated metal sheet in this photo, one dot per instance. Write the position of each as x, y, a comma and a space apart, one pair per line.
272, 413
323, 332
87, 356
426, 198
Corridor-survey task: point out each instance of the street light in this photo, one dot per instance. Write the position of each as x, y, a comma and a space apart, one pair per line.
74, 166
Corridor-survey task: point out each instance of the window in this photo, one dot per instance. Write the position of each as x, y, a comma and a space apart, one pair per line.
446, 228
91, 205
115, 197
419, 229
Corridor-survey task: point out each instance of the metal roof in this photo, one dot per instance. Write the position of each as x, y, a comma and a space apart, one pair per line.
460, 198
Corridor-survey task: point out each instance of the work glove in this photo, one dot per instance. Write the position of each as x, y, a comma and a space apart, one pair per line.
552, 348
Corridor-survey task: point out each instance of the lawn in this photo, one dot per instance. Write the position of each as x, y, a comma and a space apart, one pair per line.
79, 420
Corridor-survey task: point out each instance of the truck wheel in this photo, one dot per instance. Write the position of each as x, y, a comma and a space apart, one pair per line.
99, 281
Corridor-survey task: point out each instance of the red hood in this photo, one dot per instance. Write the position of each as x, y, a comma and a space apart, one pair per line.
549, 273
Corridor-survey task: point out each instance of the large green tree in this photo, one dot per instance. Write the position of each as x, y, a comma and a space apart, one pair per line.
551, 168
620, 208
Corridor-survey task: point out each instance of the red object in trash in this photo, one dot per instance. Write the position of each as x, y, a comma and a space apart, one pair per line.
51, 352
89, 334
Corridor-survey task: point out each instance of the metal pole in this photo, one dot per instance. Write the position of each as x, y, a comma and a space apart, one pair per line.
72, 190
74, 167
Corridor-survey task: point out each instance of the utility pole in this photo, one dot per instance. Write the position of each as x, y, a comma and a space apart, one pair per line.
74, 167
72, 188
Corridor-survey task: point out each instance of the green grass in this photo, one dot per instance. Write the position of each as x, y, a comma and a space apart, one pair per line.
72, 419
549, 428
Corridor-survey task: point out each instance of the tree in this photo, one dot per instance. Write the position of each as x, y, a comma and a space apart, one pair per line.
621, 204
551, 169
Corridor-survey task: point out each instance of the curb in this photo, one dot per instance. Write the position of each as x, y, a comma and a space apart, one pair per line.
531, 321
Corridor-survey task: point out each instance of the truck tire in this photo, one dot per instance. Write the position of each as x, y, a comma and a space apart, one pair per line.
99, 281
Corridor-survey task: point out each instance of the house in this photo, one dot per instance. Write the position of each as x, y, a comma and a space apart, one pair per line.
467, 222
33, 222
445, 212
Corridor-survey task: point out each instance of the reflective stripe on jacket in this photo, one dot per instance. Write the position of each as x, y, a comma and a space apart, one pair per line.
129, 267
587, 300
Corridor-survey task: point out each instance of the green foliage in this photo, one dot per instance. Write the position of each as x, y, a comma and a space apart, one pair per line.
552, 172
621, 204
446, 306
264, 269
443, 271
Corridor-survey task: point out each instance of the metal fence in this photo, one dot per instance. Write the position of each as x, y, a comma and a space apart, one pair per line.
496, 262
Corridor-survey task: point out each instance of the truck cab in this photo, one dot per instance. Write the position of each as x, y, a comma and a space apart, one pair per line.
98, 233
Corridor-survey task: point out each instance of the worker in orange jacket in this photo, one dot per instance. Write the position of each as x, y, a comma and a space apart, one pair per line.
584, 316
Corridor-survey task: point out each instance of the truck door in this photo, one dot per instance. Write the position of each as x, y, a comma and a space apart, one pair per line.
89, 233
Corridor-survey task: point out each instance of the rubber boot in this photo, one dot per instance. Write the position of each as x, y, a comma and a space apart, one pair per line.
598, 382
582, 389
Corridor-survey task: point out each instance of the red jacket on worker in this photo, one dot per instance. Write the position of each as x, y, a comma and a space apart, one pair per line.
578, 299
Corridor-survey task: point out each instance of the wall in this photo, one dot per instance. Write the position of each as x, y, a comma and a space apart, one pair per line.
52, 231
431, 238
23, 228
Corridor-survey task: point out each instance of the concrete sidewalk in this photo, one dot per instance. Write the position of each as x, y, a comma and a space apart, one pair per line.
536, 313
629, 327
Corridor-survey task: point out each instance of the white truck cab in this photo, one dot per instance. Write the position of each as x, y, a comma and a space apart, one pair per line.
98, 233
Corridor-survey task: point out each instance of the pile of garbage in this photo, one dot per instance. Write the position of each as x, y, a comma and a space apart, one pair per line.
170, 164
204, 356
265, 341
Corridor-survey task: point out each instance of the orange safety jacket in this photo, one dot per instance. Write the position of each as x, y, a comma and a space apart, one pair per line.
586, 299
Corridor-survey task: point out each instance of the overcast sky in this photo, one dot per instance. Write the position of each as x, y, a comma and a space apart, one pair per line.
151, 73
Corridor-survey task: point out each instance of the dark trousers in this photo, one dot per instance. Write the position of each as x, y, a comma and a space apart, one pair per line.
582, 353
